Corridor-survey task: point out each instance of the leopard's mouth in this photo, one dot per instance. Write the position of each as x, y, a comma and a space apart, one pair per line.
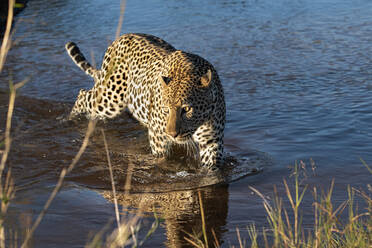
181, 138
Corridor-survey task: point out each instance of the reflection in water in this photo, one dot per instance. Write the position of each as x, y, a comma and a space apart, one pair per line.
181, 211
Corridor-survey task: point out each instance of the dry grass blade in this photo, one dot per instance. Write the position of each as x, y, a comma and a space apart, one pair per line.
134, 238
121, 18
112, 179
216, 243
7, 189
98, 237
329, 229
316, 228
194, 239
192, 242
125, 235
154, 226
261, 196
58, 187
367, 198
8, 125
128, 232
7, 194
239, 238
204, 227
252, 232
289, 195
5, 45
366, 165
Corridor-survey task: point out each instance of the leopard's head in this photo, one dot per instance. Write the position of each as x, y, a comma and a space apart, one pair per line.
187, 103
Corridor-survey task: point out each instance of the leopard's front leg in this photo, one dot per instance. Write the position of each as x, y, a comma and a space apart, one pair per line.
82, 104
158, 143
209, 137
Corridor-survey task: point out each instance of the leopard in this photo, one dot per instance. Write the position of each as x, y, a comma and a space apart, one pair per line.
176, 95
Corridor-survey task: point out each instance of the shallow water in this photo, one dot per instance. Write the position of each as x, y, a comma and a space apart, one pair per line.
297, 79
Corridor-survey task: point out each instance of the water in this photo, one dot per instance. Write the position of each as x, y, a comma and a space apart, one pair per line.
297, 79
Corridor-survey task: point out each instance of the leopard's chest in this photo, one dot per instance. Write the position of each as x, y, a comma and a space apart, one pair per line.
144, 95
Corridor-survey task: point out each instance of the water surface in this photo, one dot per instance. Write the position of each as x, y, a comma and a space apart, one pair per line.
297, 79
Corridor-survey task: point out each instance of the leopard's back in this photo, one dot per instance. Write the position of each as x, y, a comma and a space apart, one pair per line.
130, 69
128, 75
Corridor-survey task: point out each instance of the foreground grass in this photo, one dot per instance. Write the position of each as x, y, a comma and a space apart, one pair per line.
285, 222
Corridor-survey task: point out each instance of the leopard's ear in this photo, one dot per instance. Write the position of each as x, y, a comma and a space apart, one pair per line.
164, 80
206, 79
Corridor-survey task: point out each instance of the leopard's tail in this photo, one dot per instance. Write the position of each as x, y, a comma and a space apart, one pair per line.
79, 59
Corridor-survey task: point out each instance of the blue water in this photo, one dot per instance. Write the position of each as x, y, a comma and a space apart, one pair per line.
297, 77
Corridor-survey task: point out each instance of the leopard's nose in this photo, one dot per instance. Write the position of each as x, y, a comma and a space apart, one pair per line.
173, 133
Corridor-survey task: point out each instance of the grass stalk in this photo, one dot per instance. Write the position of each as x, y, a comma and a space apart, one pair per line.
216, 243
252, 232
127, 227
204, 227
5, 45
7, 190
366, 165
112, 179
239, 238
330, 230
59, 185
121, 18
194, 239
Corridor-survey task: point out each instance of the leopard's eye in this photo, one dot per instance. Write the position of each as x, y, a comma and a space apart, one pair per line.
186, 108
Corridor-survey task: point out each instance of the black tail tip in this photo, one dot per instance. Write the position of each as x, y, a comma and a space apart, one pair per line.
70, 45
